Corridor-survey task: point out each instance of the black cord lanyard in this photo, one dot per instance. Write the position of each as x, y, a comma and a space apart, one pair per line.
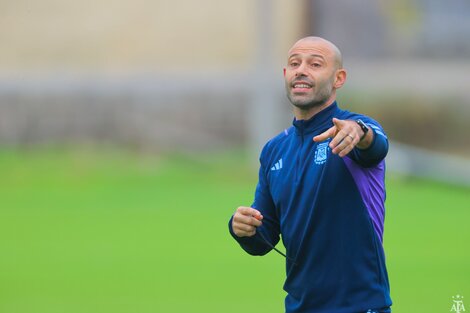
274, 248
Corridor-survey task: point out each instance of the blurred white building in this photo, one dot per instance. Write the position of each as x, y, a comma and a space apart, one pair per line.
198, 75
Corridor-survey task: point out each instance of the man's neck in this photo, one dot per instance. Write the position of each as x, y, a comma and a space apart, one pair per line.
307, 114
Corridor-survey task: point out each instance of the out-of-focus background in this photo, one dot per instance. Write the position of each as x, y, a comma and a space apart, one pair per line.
129, 134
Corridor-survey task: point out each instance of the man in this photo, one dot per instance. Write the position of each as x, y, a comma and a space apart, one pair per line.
321, 186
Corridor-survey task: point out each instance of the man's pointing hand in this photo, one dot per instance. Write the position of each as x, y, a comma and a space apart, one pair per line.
345, 136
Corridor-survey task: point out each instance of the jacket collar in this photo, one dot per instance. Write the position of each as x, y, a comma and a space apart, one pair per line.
319, 121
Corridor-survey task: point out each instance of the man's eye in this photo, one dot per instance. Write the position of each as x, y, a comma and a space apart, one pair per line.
316, 65
294, 64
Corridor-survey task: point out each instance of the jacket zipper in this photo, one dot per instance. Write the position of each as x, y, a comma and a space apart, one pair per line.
300, 157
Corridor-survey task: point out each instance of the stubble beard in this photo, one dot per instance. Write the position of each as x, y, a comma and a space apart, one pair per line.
315, 100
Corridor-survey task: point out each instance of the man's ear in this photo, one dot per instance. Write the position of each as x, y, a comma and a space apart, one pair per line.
284, 70
340, 78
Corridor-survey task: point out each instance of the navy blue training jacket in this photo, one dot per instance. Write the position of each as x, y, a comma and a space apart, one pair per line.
330, 213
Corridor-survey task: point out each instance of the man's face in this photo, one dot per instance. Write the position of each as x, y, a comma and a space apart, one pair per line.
310, 74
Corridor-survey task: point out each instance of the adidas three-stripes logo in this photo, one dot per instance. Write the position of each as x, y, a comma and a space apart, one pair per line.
277, 166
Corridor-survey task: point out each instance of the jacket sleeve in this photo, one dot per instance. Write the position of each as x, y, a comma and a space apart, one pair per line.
378, 149
270, 229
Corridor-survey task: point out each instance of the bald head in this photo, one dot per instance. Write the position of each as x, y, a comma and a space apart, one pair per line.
322, 43
313, 73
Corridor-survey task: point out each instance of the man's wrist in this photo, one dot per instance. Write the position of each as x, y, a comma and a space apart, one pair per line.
365, 141
364, 128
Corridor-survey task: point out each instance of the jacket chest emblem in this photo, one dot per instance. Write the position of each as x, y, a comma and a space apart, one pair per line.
321, 153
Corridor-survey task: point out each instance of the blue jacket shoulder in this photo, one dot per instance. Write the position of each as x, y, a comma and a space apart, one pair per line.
276, 141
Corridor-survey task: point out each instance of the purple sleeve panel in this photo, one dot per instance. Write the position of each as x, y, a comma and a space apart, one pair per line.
371, 184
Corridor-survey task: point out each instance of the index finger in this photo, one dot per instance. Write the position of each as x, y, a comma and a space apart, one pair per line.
250, 212
330, 132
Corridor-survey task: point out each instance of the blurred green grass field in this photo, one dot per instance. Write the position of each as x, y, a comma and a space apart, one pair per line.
111, 231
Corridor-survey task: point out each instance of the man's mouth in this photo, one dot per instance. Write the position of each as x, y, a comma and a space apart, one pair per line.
301, 86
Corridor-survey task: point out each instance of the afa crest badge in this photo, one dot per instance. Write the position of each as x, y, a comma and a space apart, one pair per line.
321, 153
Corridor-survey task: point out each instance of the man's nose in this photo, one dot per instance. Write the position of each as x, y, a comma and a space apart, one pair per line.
300, 71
